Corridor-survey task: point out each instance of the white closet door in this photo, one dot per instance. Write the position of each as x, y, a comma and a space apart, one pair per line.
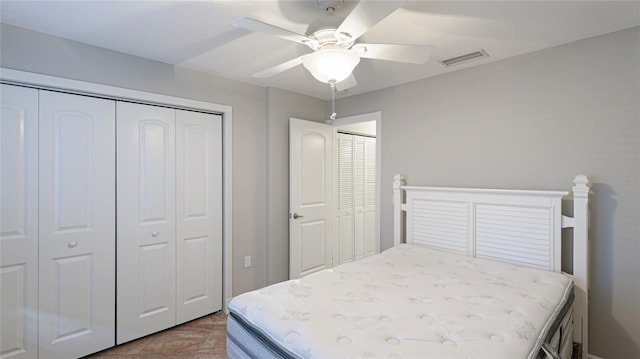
369, 195
19, 222
198, 214
356, 210
359, 195
77, 225
345, 198
146, 220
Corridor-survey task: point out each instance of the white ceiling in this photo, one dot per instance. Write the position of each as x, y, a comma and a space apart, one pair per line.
198, 34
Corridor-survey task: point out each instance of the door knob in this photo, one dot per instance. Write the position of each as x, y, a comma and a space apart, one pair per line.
296, 216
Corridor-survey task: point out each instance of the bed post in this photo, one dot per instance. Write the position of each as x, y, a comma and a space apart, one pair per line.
398, 227
581, 262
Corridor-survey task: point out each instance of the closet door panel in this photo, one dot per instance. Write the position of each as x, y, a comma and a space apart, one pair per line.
199, 214
77, 225
146, 220
356, 156
369, 195
346, 211
359, 195
19, 224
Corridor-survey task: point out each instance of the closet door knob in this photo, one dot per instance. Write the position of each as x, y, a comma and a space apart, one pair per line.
154, 234
296, 216
72, 244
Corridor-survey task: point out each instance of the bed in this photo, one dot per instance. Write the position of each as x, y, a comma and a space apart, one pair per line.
473, 273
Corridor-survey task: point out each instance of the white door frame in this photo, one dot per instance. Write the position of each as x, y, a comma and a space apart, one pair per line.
373, 116
117, 93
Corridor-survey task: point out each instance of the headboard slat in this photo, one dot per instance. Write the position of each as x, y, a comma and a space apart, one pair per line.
441, 224
515, 234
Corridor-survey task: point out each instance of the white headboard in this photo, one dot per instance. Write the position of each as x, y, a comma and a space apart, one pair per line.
518, 226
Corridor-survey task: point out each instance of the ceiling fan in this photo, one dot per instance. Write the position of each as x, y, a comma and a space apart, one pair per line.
333, 40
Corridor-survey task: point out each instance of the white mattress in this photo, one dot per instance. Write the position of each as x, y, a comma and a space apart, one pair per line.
409, 302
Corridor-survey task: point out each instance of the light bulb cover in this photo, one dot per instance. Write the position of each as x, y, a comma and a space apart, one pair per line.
331, 64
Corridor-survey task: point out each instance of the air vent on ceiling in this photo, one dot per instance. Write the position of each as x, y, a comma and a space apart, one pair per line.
465, 58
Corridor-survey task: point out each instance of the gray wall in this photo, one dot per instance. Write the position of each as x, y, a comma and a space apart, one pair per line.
253, 107
535, 121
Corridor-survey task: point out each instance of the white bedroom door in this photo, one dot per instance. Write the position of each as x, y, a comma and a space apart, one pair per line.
76, 225
146, 220
310, 197
19, 222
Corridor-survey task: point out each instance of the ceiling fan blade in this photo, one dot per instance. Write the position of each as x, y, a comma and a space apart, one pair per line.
259, 26
278, 68
347, 83
415, 54
364, 16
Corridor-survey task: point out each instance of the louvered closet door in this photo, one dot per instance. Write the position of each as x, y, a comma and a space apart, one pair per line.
77, 225
369, 226
356, 186
19, 222
146, 220
364, 189
346, 210
359, 195
198, 214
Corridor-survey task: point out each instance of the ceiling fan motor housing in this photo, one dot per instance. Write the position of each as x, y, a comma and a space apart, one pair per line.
324, 29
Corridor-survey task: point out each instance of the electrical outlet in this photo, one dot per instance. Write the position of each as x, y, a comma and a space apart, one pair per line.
247, 261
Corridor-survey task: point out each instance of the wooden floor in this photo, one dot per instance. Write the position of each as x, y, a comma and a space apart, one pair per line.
203, 338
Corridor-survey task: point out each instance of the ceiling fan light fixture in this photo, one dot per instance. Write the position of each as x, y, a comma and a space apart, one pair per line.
331, 64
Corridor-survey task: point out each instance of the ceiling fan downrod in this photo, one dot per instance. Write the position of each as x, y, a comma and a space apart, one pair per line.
332, 84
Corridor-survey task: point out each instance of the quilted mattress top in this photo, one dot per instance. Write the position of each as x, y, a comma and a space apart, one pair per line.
410, 302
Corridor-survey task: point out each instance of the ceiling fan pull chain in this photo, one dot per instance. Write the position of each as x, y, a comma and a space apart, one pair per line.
332, 83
